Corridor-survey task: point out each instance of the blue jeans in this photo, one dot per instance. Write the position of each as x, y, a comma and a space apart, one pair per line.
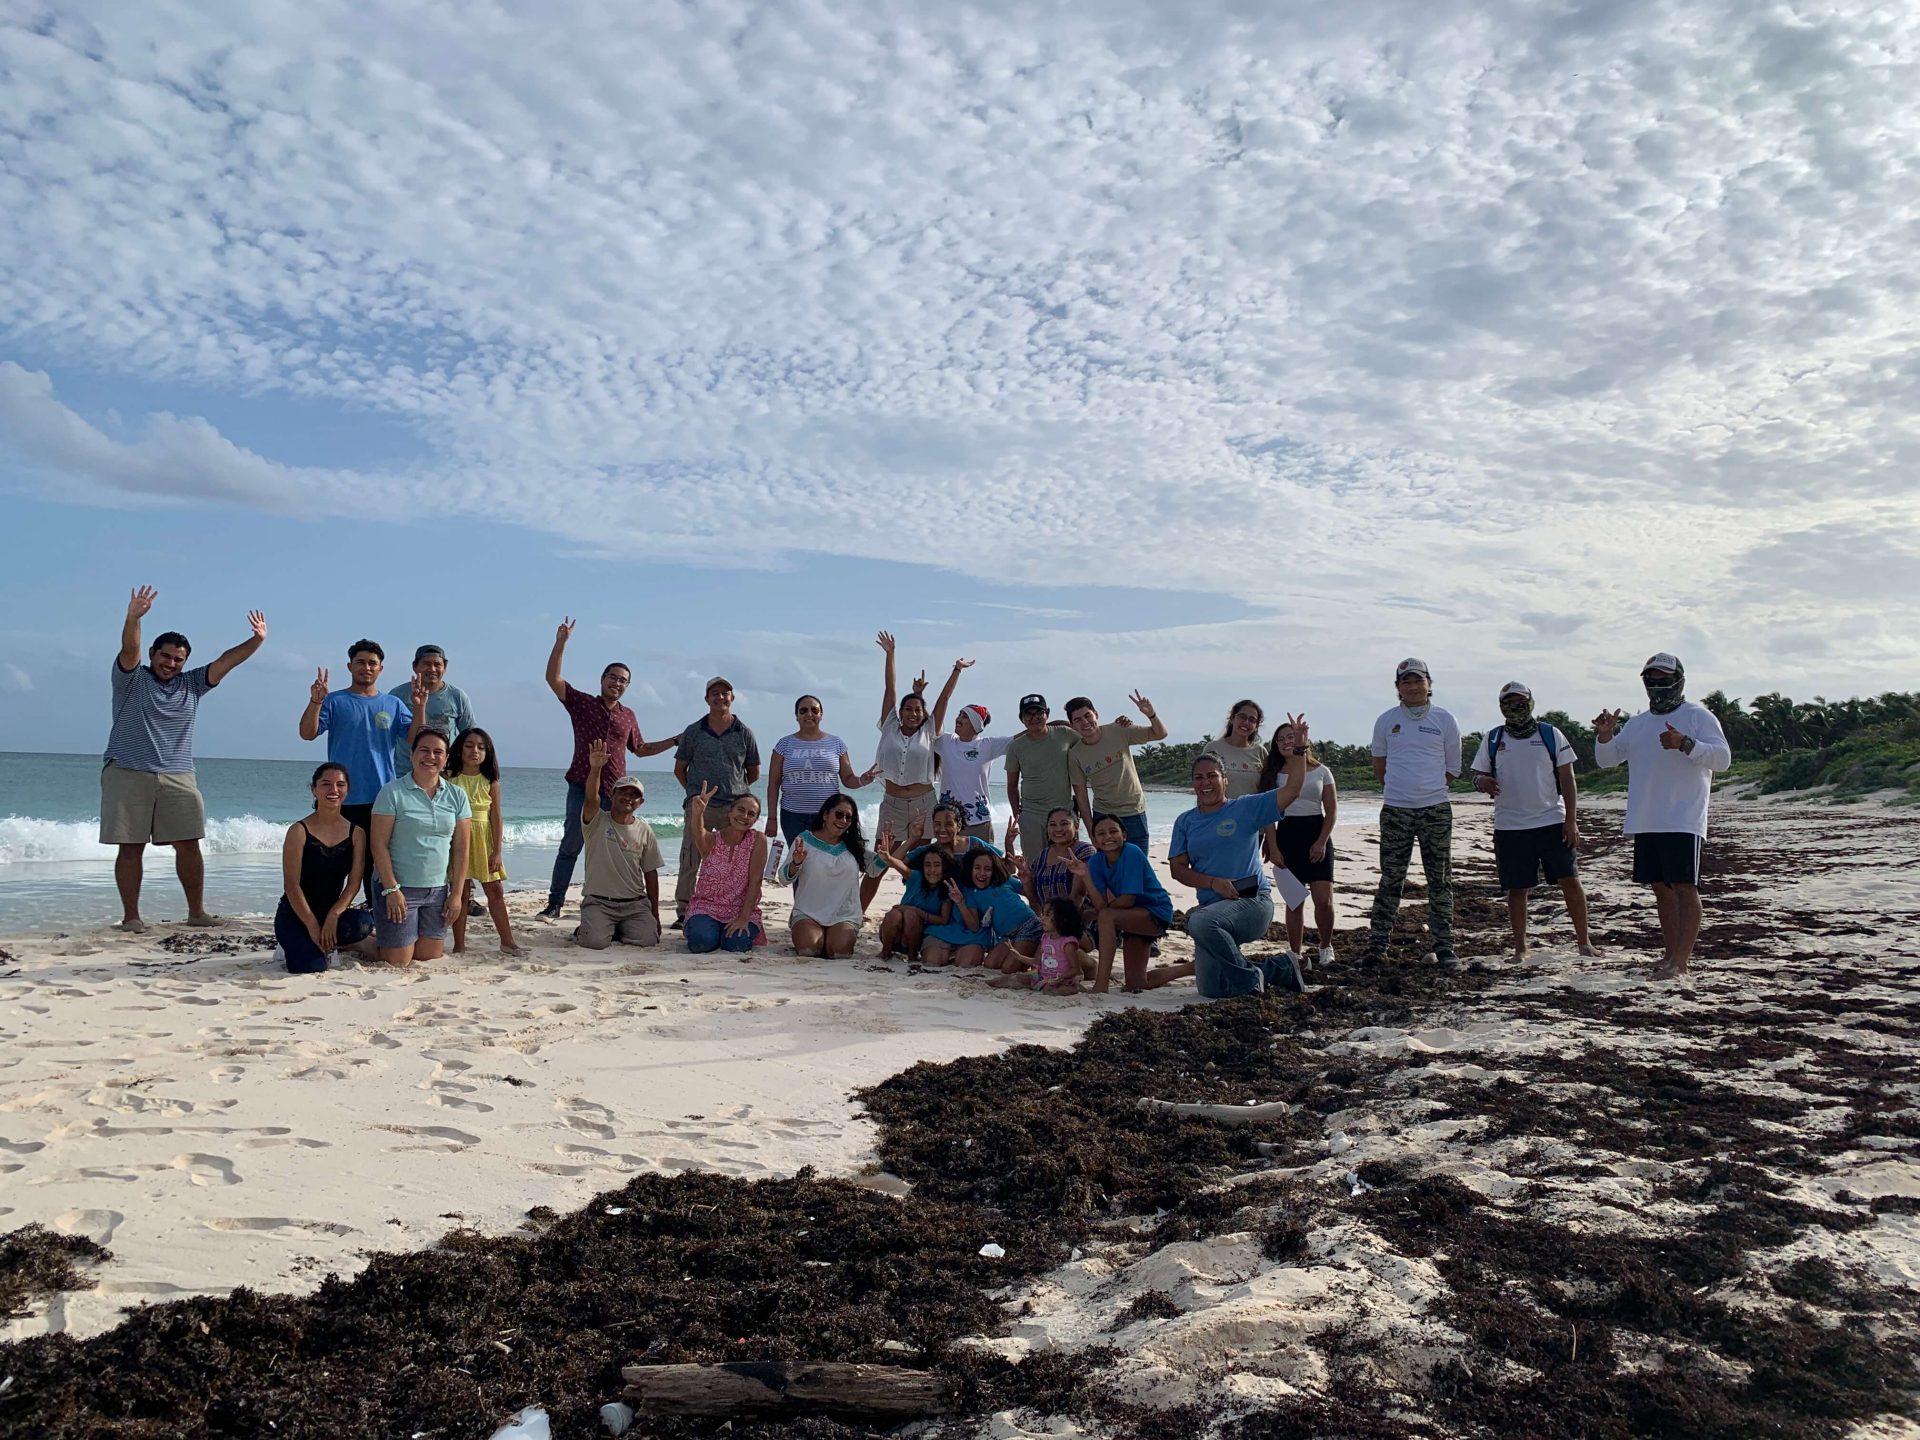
571, 842
795, 822
704, 933
1218, 931
1134, 825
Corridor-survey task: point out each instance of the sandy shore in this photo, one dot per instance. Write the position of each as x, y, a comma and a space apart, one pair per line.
221, 1123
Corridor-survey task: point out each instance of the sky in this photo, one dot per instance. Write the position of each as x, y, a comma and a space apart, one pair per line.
1217, 351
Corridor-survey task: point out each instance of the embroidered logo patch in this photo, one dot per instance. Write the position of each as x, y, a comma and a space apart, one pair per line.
1226, 828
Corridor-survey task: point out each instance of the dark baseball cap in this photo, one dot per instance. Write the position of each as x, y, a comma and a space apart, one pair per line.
1033, 702
425, 650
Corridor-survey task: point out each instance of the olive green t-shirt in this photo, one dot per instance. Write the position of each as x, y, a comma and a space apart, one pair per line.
1042, 763
1105, 767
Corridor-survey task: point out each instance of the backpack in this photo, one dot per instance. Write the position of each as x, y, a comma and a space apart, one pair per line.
1547, 737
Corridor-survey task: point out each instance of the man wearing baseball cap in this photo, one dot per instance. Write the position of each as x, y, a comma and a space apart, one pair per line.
447, 708
1037, 777
622, 899
966, 754
1526, 765
1416, 754
1671, 750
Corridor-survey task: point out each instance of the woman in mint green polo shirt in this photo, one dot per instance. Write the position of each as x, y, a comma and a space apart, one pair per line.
421, 824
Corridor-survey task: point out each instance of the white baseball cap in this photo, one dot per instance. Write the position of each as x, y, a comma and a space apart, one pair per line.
1514, 687
1410, 666
1662, 661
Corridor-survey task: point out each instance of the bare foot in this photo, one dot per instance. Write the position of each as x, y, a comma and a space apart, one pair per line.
1590, 950
1518, 954
1668, 970
514, 950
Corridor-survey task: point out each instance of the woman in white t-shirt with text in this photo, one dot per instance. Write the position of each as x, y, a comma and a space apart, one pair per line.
1302, 841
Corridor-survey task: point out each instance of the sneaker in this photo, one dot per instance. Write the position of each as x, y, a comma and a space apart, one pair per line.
551, 912
1447, 960
205, 920
1326, 956
679, 923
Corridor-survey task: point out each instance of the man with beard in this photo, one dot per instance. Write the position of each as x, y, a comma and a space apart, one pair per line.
1526, 765
1671, 751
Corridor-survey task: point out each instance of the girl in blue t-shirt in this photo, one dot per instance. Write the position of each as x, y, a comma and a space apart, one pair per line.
925, 902
1131, 908
991, 922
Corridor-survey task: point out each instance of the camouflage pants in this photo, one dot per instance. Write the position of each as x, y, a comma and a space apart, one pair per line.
1432, 827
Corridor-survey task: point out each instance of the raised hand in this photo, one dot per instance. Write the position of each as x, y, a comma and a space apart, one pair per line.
953, 889
1672, 739
257, 623
917, 830
317, 692
418, 695
886, 842
869, 775
140, 601
1146, 705
885, 642
1299, 724
920, 683
705, 795
799, 853
1605, 723
564, 630
963, 664
597, 753
1075, 864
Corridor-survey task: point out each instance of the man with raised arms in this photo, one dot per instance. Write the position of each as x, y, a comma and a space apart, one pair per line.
594, 717
1671, 751
148, 794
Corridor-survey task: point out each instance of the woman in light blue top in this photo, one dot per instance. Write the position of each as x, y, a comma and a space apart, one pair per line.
421, 828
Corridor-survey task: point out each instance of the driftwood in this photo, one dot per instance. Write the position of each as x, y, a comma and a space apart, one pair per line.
793, 1388
1225, 1114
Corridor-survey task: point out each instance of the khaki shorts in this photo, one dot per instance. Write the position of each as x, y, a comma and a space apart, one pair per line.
138, 807
898, 813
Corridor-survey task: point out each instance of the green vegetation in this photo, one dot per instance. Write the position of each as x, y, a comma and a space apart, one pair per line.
1856, 746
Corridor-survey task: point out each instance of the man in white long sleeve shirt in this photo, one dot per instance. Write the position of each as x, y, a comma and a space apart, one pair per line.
1671, 751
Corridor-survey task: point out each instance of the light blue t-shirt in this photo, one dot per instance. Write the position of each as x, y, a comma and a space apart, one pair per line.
422, 842
360, 731
1225, 842
448, 711
809, 771
1131, 874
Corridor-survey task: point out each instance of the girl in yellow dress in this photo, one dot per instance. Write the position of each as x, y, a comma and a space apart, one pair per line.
476, 771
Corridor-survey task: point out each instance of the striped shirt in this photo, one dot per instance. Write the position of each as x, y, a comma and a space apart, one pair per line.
153, 720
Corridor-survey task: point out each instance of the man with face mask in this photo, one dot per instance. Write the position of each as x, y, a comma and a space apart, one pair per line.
1526, 765
1671, 750
1416, 754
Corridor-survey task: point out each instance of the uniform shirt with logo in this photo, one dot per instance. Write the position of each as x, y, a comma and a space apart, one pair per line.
1042, 763
1667, 790
1529, 795
1105, 767
1420, 754
963, 772
360, 731
619, 857
1225, 843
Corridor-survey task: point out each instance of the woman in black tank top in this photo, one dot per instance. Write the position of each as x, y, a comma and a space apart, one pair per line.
322, 862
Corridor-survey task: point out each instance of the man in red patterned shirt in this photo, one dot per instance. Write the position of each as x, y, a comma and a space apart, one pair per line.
595, 717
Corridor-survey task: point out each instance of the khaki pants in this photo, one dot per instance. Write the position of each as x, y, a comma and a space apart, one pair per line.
631, 922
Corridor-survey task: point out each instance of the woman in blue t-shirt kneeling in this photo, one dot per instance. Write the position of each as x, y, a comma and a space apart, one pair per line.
1131, 908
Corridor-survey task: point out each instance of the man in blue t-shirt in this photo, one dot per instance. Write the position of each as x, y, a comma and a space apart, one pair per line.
1216, 850
360, 724
148, 795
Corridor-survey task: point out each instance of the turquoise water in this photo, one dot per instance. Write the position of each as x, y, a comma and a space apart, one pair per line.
55, 875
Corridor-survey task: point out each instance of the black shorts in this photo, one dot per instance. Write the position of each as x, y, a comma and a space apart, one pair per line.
1666, 857
1521, 855
1296, 834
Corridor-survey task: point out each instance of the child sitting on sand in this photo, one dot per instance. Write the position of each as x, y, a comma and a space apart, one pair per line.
925, 902
991, 923
1061, 961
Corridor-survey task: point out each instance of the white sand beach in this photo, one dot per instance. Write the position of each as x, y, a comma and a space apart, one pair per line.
220, 1123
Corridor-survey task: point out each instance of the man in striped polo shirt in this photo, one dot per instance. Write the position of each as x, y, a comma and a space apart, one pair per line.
147, 790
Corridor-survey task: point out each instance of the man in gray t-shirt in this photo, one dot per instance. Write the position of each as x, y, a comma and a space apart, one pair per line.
447, 707
147, 789
717, 750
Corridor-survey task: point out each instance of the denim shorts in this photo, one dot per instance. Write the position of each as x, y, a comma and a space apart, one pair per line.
426, 917
1025, 930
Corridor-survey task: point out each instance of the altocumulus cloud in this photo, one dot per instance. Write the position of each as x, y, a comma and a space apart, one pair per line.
1480, 301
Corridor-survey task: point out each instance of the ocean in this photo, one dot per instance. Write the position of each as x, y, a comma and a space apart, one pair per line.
56, 875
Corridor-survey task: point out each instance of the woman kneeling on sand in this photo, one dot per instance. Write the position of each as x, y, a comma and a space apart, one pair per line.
723, 913
322, 862
1131, 908
826, 867
422, 828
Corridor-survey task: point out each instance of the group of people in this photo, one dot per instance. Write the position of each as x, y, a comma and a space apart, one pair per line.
406, 807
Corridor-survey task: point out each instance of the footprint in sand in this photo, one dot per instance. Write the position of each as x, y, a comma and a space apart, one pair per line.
95, 1225
274, 1142
277, 1225
206, 1169
455, 1102
585, 1116
439, 1137
22, 1147
226, 1074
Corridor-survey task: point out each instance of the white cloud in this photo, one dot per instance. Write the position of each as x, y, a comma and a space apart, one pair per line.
1400, 318
12, 677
